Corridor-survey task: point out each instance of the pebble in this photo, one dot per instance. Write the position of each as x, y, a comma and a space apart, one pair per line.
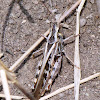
29, 85
86, 94
90, 16
47, 21
92, 1
61, 95
11, 21
35, 1
92, 36
57, 17
99, 28
53, 11
24, 21
1, 54
88, 31
82, 22
98, 5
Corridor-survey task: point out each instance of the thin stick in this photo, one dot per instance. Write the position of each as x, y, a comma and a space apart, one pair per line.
68, 38
14, 97
77, 72
67, 13
12, 68
5, 84
69, 86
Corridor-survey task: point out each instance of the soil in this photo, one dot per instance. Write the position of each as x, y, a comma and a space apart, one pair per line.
23, 23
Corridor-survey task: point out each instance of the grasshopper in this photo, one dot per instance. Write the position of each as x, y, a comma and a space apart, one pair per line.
48, 69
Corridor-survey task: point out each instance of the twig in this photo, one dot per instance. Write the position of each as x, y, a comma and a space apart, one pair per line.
14, 97
69, 86
5, 84
68, 38
13, 67
68, 12
77, 72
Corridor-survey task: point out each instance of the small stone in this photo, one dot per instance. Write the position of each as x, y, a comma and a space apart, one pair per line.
1, 54
47, 21
82, 22
61, 95
57, 17
88, 31
29, 85
27, 6
53, 11
35, 1
92, 1
11, 21
98, 5
23, 21
90, 16
86, 94
93, 36
94, 71
98, 28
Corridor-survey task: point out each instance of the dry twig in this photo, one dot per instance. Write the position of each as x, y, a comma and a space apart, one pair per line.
68, 12
5, 84
69, 86
77, 72
14, 97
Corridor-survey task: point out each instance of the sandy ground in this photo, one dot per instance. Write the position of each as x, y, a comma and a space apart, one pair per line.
23, 23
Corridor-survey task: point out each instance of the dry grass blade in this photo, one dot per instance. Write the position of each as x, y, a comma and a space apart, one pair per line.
69, 86
77, 72
13, 67
5, 84
14, 97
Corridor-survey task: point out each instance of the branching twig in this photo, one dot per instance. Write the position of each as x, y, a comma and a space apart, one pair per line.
77, 72
69, 86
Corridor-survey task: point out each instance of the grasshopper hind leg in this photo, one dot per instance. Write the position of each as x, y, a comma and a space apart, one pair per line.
38, 68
